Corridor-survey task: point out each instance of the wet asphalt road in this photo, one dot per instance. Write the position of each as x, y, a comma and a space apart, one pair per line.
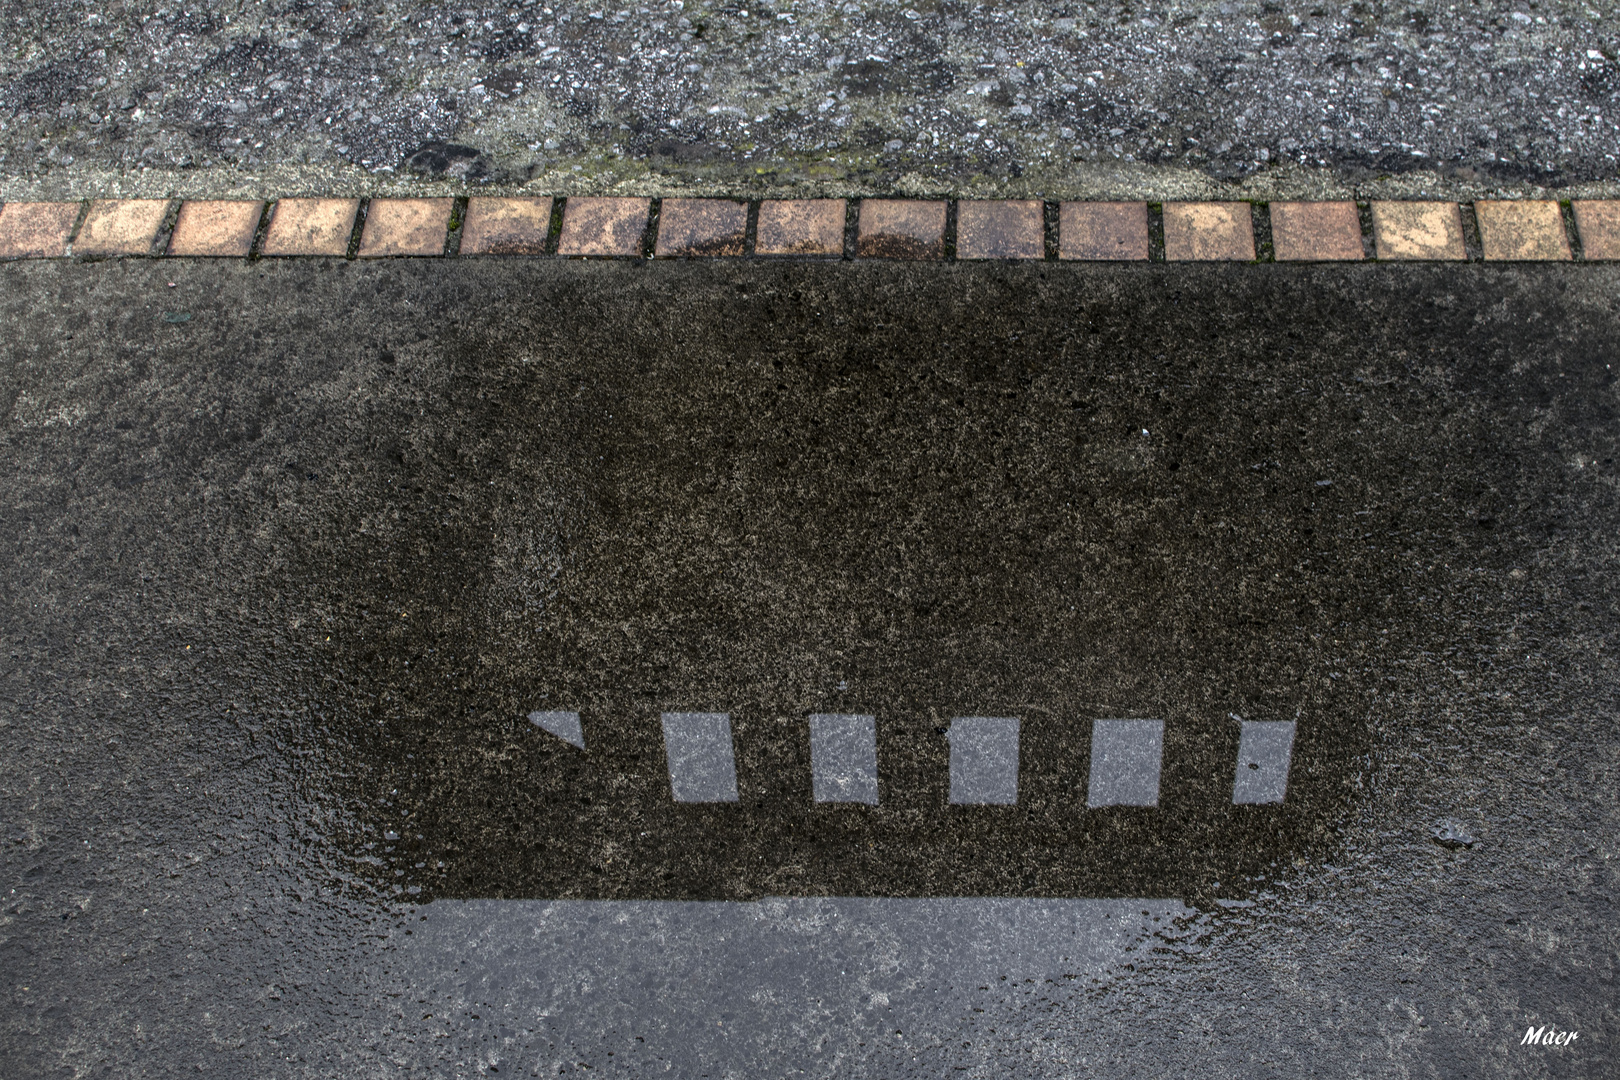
294, 549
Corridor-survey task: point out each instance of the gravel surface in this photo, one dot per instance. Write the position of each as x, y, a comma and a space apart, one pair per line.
800, 96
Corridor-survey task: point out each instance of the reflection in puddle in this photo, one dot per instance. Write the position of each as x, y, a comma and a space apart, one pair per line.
735, 987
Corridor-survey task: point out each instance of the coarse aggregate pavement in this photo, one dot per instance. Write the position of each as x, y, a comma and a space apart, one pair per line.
1195, 99
747, 666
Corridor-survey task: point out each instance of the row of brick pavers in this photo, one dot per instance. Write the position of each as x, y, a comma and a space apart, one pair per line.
1520, 230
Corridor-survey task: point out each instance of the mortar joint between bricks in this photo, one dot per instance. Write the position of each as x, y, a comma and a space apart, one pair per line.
165, 229
78, 223
1473, 246
649, 239
554, 226
1260, 222
261, 230
948, 254
1051, 212
1572, 232
360, 213
852, 227
452, 235
1155, 213
751, 229
1364, 215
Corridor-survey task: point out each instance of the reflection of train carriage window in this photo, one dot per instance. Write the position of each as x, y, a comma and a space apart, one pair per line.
564, 725
1263, 754
984, 759
1126, 758
870, 619
702, 767
843, 758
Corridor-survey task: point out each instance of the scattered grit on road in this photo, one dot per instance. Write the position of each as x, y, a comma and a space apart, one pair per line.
1192, 100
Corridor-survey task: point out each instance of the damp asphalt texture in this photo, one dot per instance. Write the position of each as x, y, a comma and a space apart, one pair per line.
293, 548
1113, 99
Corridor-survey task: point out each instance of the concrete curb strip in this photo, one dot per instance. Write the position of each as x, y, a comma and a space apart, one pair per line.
919, 229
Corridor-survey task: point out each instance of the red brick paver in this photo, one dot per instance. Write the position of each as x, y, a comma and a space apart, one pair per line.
1598, 223
311, 227
1000, 230
603, 226
1208, 232
121, 227
506, 226
800, 227
1418, 230
901, 229
1316, 232
1509, 229
405, 227
36, 230
217, 228
701, 227
1103, 231
1521, 231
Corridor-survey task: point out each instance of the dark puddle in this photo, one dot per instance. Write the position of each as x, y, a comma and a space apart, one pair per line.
805, 490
